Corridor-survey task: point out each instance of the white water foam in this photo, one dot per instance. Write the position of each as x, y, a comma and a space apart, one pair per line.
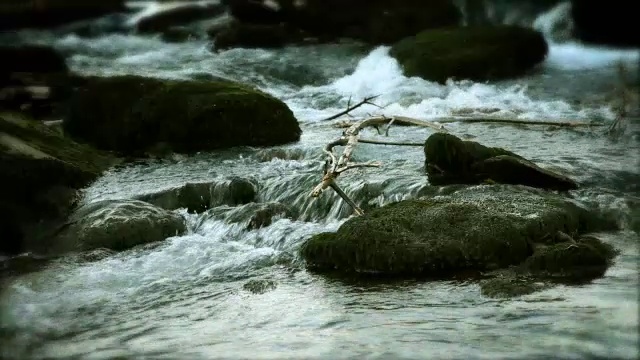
380, 74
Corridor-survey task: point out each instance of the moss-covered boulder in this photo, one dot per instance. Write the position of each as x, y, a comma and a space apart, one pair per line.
135, 115
41, 171
477, 53
451, 160
370, 21
117, 225
478, 228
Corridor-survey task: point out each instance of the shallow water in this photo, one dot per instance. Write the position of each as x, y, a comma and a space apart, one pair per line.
188, 297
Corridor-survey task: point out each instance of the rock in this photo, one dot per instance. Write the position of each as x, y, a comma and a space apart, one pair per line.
133, 115
258, 215
605, 22
374, 21
450, 160
117, 225
31, 59
254, 12
34, 79
16, 14
41, 171
242, 35
199, 197
259, 286
478, 53
182, 14
251, 216
371, 21
478, 228
567, 262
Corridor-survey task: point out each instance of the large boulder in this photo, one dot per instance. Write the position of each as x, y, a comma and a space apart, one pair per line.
450, 160
478, 53
605, 22
41, 172
480, 228
117, 225
15, 14
371, 21
134, 115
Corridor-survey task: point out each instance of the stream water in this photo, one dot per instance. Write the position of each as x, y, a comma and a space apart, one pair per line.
188, 297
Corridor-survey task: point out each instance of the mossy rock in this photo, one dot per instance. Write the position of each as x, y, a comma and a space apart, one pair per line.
117, 225
451, 160
570, 262
374, 21
42, 171
476, 228
133, 115
478, 53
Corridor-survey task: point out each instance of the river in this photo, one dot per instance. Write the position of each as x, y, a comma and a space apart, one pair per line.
190, 297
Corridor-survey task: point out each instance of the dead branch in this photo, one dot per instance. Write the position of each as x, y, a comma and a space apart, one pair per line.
335, 166
448, 120
365, 101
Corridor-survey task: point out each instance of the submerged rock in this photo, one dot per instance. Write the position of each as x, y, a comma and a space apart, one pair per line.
293, 22
198, 197
252, 216
478, 228
41, 171
475, 53
117, 225
134, 115
450, 160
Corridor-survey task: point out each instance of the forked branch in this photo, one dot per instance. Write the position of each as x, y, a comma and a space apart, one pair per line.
349, 139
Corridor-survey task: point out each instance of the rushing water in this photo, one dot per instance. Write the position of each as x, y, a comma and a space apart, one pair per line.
190, 296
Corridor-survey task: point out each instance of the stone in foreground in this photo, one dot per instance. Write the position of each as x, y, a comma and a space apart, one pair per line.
450, 160
478, 53
136, 116
41, 171
480, 228
118, 225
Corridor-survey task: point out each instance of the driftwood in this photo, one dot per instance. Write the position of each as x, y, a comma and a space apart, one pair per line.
334, 166
437, 122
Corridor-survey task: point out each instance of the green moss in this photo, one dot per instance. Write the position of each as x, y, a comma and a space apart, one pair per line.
131, 114
455, 157
474, 53
450, 160
481, 228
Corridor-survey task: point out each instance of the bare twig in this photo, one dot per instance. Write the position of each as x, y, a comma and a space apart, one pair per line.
365, 101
